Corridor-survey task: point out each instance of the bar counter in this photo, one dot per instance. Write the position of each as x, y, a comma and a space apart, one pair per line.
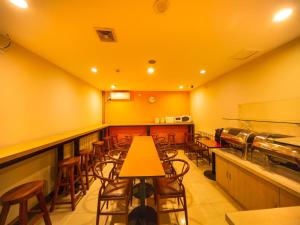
12, 154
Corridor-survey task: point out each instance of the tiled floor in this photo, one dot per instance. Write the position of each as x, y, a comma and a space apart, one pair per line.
207, 204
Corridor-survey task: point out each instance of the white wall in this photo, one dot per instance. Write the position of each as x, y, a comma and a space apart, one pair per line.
274, 77
37, 100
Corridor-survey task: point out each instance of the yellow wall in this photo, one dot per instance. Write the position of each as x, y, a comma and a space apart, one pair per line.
39, 99
274, 77
139, 110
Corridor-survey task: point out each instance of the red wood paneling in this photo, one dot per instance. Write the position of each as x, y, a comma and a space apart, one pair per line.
163, 131
130, 130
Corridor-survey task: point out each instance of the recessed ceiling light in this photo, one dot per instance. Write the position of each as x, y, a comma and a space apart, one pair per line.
282, 14
180, 86
20, 3
150, 70
113, 86
94, 69
202, 71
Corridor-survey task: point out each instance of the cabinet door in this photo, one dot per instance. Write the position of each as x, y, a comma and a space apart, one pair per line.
286, 199
251, 191
222, 172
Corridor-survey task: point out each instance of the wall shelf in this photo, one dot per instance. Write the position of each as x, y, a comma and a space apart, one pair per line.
264, 121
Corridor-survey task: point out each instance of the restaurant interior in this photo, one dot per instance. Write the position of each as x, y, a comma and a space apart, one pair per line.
150, 112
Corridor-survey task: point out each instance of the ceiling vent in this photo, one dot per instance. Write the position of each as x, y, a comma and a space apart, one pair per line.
245, 54
106, 34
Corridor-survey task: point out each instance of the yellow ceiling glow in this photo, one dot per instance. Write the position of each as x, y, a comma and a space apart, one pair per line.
150, 70
20, 3
202, 71
180, 86
113, 86
282, 14
94, 70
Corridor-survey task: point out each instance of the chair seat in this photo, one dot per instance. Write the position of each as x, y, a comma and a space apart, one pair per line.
116, 190
99, 143
166, 188
85, 152
69, 161
22, 192
195, 147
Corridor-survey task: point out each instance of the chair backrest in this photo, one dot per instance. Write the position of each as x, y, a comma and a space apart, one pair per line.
191, 137
167, 154
182, 167
117, 155
104, 176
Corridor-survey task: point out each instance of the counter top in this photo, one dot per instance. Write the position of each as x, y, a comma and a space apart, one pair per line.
22, 149
150, 124
295, 141
281, 181
276, 216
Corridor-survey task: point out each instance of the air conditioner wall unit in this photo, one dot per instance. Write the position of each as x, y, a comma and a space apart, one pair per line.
120, 95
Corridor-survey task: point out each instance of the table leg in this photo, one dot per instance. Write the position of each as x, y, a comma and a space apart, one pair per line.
142, 215
211, 174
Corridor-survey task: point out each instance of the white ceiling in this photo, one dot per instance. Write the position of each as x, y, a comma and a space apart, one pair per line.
189, 36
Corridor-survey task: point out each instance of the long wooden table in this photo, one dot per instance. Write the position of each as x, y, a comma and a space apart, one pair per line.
142, 161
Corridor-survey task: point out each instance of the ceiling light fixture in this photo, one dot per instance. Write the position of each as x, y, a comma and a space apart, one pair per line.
180, 86
20, 3
113, 86
282, 14
202, 71
94, 69
150, 70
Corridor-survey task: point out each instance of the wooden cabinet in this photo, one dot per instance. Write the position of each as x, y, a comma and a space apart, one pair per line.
222, 173
248, 189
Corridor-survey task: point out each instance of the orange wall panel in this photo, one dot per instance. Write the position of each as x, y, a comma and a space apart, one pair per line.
139, 110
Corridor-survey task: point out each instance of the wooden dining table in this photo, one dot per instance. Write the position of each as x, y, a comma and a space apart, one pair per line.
209, 144
141, 162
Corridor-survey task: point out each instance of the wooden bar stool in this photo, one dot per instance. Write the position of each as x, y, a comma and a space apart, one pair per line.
69, 166
172, 140
98, 148
86, 160
20, 195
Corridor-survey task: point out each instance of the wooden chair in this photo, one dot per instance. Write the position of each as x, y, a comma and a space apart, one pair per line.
112, 190
166, 156
69, 166
118, 156
190, 140
20, 195
172, 187
124, 142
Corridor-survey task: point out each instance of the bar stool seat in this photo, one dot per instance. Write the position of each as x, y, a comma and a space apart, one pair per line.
20, 195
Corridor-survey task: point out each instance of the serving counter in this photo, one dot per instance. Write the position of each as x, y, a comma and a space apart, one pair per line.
276, 216
254, 186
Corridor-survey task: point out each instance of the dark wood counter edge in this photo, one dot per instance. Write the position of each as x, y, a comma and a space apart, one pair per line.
59, 144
